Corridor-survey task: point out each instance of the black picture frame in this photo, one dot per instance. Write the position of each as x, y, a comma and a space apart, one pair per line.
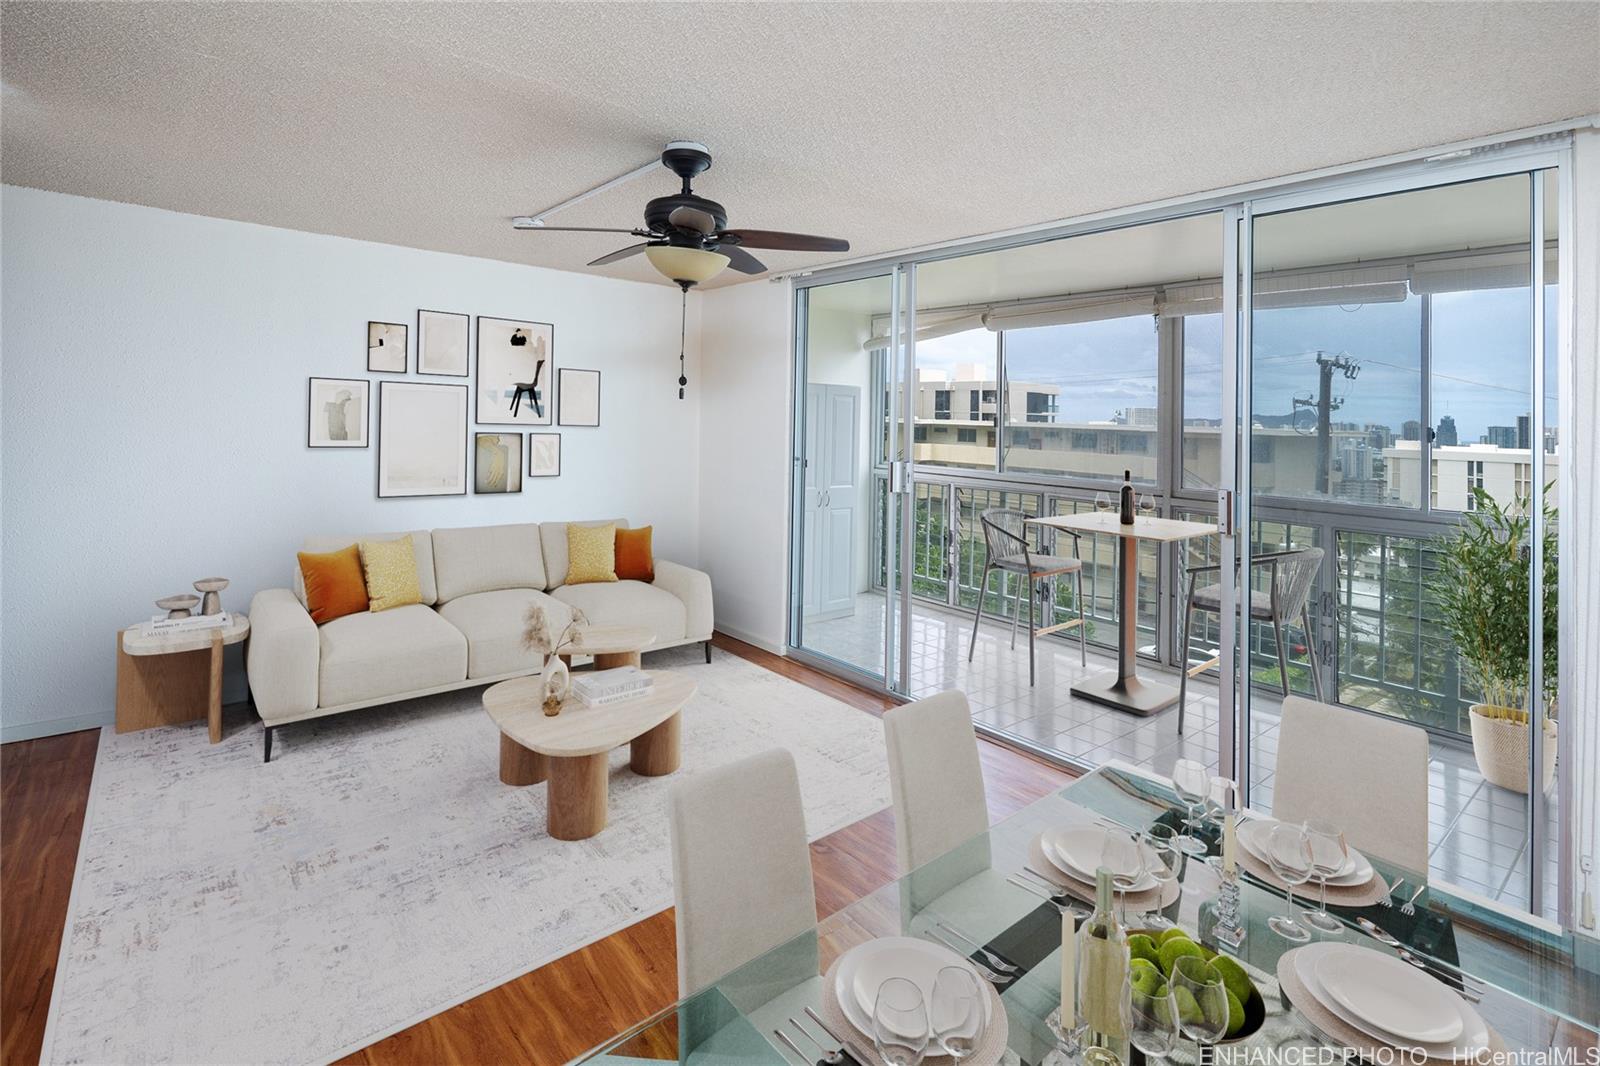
366, 413
405, 346
490, 402
466, 343
462, 436
557, 438
514, 466
561, 407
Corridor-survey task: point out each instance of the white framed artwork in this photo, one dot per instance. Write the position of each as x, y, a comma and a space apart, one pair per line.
580, 397
442, 343
336, 412
422, 439
544, 455
514, 362
386, 348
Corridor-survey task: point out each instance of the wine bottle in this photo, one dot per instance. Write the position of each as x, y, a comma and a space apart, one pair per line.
1102, 967
1127, 497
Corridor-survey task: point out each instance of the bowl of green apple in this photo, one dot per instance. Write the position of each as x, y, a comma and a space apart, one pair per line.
1152, 955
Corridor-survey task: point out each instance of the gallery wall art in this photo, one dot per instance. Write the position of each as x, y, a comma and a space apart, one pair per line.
442, 343
497, 463
386, 347
580, 397
544, 455
336, 412
422, 439
514, 363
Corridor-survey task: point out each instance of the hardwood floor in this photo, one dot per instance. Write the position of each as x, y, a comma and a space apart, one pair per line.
546, 1016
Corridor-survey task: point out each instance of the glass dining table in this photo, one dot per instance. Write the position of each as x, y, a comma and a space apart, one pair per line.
1534, 993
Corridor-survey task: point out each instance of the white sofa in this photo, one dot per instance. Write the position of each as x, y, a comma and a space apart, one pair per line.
477, 584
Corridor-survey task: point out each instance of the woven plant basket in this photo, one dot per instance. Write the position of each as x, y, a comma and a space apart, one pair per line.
1501, 748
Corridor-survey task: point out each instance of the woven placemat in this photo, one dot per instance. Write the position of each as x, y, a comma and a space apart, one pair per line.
1346, 1035
1365, 895
991, 1046
1158, 898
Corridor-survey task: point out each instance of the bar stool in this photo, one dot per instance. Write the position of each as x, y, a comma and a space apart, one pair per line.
1290, 576
1006, 549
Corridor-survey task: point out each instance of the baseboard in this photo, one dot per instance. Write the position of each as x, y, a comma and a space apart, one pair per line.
750, 638
50, 727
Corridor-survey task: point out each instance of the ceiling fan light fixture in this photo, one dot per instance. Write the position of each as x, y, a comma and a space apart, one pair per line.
690, 266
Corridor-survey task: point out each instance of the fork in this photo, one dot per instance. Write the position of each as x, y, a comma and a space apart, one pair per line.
1387, 901
994, 977
848, 1048
792, 1046
988, 956
1409, 907
832, 1058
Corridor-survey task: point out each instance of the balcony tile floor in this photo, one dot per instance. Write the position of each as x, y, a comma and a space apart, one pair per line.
1478, 832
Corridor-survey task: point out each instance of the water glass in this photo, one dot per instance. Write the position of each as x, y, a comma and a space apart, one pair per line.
1123, 856
1289, 855
1200, 999
1149, 1018
1192, 783
900, 1023
1163, 860
1329, 852
957, 1013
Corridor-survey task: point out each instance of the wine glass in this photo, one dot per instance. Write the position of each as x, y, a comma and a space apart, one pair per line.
957, 1012
900, 1023
1191, 782
1150, 1018
1122, 855
1147, 505
1329, 852
1102, 501
1163, 860
1289, 855
1200, 999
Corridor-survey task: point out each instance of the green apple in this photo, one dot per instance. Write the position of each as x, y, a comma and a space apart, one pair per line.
1188, 1010
1234, 977
1175, 949
1235, 1014
1171, 934
1142, 946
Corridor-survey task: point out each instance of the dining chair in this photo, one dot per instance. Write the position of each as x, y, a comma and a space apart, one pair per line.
1364, 773
741, 865
1005, 543
1290, 576
935, 778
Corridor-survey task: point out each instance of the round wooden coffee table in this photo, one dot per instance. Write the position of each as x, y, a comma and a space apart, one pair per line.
570, 749
610, 645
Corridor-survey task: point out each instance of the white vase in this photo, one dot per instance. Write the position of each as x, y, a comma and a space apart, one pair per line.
557, 683
1501, 748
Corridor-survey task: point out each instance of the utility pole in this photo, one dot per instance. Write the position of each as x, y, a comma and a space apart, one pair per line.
1325, 405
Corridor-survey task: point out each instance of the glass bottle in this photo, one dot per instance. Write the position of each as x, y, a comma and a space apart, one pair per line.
1102, 967
1127, 498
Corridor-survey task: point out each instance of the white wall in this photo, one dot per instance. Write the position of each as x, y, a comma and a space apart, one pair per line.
154, 399
744, 459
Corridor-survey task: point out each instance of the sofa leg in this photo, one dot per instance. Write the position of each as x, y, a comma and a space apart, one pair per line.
708, 651
266, 749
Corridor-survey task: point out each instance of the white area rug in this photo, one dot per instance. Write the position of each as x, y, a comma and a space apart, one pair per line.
376, 871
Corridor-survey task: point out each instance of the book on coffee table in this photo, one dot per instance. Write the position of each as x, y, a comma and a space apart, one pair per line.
609, 686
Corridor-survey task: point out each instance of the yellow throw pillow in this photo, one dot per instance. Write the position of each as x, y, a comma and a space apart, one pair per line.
391, 569
591, 553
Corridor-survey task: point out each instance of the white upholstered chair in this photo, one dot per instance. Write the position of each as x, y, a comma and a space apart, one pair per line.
741, 865
934, 777
1365, 774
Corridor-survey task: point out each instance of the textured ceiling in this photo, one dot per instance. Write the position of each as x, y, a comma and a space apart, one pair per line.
893, 125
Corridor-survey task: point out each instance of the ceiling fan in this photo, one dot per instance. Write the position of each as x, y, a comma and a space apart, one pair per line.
686, 236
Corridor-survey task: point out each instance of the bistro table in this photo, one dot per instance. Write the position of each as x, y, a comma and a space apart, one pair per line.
1126, 690
1535, 998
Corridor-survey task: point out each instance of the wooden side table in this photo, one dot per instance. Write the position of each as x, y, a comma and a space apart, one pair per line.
610, 645
168, 678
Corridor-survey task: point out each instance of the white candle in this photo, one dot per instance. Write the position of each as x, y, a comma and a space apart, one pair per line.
1229, 864
1069, 970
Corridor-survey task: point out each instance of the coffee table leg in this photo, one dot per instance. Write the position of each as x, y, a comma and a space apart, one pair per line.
658, 751
519, 766
214, 699
577, 800
605, 660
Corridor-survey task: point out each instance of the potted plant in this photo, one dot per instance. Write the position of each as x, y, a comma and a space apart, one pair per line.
1482, 588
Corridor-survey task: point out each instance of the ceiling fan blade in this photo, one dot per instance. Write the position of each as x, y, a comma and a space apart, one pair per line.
793, 242
620, 253
692, 218
741, 260
579, 229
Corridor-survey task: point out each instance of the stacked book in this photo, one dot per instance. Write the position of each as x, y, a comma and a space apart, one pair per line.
599, 687
162, 625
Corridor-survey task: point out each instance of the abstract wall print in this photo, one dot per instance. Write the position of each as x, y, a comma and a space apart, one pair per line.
422, 439
544, 455
442, 343
497, 463
514, 363
386, 347
336, 412
580, 397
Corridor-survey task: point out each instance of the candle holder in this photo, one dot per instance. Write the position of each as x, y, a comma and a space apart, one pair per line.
1226, 928
1069, 1041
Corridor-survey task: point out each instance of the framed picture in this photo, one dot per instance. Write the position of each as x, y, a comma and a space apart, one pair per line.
580, 397
386, 348
514, 361
544, 455
442, 343
497, 463
336, 412
422, 439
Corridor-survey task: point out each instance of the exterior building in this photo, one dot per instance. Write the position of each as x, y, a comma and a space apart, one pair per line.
1505, 473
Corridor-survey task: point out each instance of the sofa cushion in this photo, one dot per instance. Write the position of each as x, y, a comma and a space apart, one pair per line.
493, 623
368, 656
421, 546
631, 603
486, 558
554, 536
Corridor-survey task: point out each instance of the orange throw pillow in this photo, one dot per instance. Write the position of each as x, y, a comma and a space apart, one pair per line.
635, 561
334, 584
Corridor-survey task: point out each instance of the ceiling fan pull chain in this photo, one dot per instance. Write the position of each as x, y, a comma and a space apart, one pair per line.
683, 333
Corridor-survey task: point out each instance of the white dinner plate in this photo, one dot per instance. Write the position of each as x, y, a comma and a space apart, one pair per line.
1253, 836
1079, 851
866, 966
1471, 1042
1393, 995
